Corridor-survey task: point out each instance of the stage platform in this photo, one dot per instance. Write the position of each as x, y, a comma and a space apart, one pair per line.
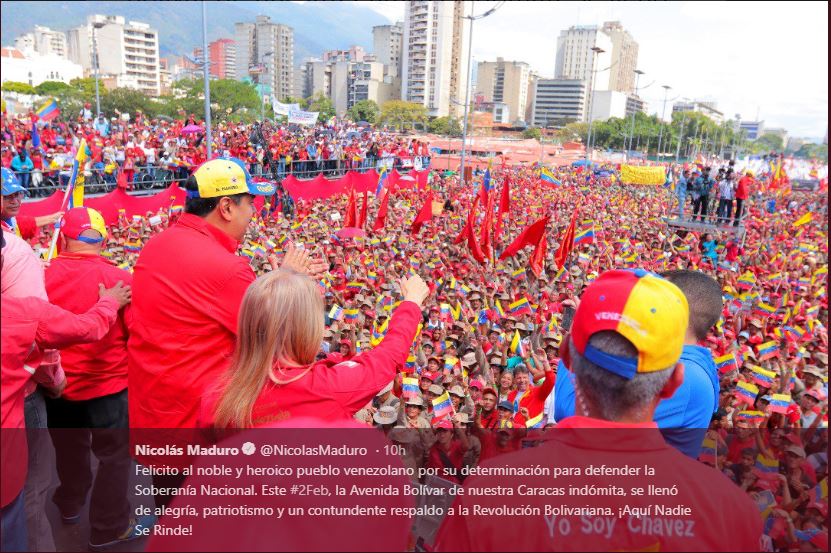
696, 226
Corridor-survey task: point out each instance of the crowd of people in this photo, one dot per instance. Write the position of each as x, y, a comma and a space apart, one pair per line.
415, 324
156, 151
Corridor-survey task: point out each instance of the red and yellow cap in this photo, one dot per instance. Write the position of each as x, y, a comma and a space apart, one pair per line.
644, 308
80, 219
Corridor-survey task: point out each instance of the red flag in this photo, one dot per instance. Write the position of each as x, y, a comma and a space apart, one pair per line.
351, 217
381, 218
474, 248
566, 244
528, 237
468, 228
121, 180
504, 207
537, 262
424, 214
362, 222
485, 231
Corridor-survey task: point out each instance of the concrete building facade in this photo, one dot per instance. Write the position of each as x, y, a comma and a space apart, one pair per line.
505, 82
435, 55
269, 47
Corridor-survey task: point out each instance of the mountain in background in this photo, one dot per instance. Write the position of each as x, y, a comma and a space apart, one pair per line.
318, 26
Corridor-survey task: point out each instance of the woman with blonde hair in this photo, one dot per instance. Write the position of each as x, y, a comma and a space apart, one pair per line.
274, 375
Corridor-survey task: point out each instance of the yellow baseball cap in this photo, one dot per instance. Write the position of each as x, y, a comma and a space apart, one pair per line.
80, 219
227, 177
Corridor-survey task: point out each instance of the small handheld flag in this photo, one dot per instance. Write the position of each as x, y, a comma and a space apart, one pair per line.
746, 392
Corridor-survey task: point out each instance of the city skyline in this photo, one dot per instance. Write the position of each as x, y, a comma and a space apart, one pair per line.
743, 49
736, 64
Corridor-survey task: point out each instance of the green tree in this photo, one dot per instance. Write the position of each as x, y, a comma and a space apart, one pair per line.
295, 100
532, 132
770, 141
87, 86
447, 126
125, 100
323, 105
51, 88
365, 110
20, 88
813, 151
401, 114
574, 132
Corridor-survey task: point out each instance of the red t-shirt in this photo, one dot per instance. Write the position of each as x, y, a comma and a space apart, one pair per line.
100, 368
455, 455
188, 287
721, 516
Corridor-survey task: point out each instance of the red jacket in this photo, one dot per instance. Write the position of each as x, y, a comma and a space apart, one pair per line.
29, 322
332, 389
743, 188
22, 225
188, 287
100, 368
534, 398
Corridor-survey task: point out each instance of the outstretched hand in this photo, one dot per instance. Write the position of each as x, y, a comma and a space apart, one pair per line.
300, 260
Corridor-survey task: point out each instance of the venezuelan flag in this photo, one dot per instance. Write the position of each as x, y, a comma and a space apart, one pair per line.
548, 176
746, 392
520, 306
336, 312
518, 274
761, 376
767, 350
48, 111
499, 308
751, 416
442, 406
821, 490
410, 388
355, 286
763, 309
766, 464
709, 446
779, 403
726, 363
585, 235
351, 314
516, 344
746, 281
807, 218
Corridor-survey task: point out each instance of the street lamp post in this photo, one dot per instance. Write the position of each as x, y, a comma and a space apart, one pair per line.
638, 74
260, 84
472, 18
597, 50
661, 123
680, 135
206, 55
96, 25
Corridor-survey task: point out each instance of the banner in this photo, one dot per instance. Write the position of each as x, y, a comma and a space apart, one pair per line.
633, 174
299, 117
283, 109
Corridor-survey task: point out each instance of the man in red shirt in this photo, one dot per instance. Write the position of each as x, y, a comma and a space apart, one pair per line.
190, 286
32, 323
625, 343
96, 390
742, 193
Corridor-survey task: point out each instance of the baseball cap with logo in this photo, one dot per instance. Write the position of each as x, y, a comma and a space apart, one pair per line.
80, 219
649, 311
226, 177
11, 184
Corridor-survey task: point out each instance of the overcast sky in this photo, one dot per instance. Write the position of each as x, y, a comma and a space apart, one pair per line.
770, 57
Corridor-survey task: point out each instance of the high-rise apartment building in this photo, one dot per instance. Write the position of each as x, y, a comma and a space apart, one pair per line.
128, 51
624, 58
223, 54
386, 44
505, 82
576, 59
269, 46
558, 102
434, 55
43, 41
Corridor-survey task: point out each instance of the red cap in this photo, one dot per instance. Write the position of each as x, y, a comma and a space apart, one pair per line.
444, 423
429, 375
80, 219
